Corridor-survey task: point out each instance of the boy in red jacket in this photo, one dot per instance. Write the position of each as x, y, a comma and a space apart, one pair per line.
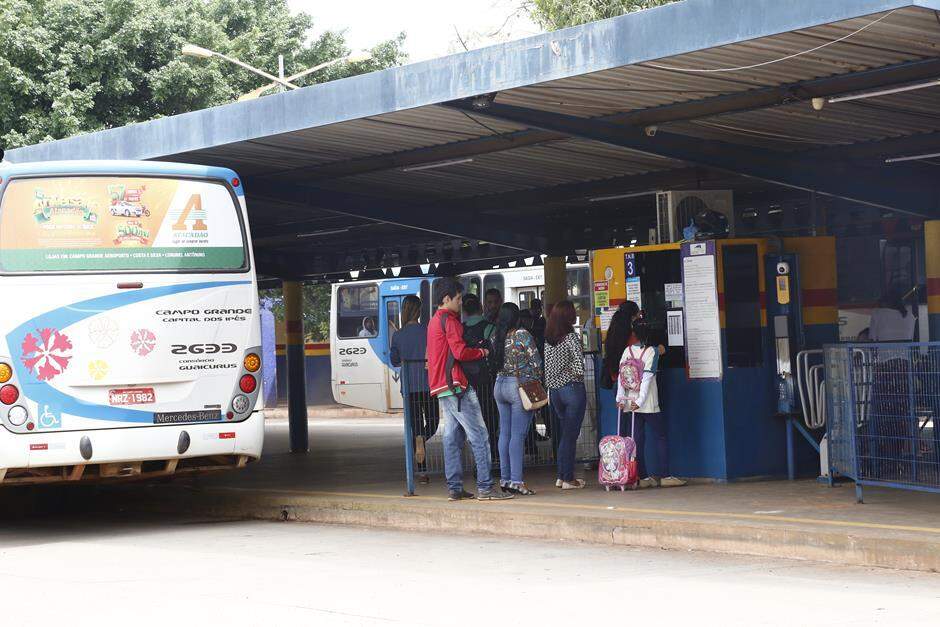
460, 408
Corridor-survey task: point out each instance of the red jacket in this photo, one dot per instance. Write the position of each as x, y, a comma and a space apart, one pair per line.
440, 346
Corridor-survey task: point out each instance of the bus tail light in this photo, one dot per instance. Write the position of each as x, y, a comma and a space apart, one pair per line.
17, 415
6, 372
9, 394
252, 362
247, 384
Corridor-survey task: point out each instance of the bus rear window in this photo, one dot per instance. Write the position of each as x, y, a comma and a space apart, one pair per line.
117, 223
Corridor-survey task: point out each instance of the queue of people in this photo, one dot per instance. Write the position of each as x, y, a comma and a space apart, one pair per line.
490, 349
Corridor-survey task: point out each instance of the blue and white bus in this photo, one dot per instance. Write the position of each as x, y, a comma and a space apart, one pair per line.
130, 337
365, 314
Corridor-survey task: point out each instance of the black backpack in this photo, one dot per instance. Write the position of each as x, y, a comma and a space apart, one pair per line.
475, 337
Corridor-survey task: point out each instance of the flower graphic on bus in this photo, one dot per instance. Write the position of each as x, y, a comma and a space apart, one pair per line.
143, 341
48, 355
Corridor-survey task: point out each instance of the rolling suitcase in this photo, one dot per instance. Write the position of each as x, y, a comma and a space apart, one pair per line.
617, 466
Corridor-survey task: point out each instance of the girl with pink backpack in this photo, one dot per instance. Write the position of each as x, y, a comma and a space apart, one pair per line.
637, 394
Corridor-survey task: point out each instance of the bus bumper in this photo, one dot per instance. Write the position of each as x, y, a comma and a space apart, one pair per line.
140, 452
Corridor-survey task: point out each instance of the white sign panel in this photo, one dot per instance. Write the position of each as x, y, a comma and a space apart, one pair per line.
703, 326
635, 291
674, 294
675, 336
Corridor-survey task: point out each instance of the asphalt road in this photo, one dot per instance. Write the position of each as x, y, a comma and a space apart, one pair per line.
184, 572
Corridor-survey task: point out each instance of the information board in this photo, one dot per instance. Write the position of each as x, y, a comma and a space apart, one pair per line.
700, 300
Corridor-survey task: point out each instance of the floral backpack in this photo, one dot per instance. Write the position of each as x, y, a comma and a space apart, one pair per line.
631, 371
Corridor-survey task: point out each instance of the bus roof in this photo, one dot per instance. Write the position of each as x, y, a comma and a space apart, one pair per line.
164, 168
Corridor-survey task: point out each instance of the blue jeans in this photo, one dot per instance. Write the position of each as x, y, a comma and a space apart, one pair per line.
569, 403
660, 426
458, 426
514, 424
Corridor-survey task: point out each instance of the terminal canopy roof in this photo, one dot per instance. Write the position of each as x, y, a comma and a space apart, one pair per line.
553, 144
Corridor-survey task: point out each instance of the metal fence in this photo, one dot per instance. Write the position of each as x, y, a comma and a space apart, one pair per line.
424, 451
883, 404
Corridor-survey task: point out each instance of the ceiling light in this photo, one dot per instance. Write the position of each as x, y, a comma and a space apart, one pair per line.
886, 92
396, 270
425, 268
542, 257
818, 103
512, 264
354, 274
385, 271
912, 158
619, 196
633, 241
327, 232
529, 261
439, 164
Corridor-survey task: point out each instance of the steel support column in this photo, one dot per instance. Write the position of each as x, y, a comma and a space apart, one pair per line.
296, 377
556, 280
932, 258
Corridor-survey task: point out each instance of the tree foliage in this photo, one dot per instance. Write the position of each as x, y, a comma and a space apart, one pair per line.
555, 14
74, 66
316, 310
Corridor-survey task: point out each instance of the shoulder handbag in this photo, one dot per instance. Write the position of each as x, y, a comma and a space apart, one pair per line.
533, 395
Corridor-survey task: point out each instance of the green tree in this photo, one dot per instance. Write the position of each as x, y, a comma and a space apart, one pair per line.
74, 66
555, 14
316, 310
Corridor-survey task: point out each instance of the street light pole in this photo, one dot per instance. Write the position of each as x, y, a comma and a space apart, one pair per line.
191, 50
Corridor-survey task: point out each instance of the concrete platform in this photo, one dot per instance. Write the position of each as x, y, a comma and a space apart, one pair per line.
354, 475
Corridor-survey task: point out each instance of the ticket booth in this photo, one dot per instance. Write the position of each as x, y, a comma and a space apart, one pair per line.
719, 380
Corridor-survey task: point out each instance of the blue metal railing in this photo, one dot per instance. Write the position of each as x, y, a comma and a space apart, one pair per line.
883, 412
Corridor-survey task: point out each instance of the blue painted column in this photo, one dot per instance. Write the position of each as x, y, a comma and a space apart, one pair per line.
296, 380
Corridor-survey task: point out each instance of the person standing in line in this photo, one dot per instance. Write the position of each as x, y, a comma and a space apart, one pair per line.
564, 378
538, 324
619, 336
408, 351
516, 360
644, 404
493, 300
458, 402
477, 332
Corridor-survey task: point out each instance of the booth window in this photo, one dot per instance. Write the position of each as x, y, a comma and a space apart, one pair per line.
656, 269
356, 303
742, 306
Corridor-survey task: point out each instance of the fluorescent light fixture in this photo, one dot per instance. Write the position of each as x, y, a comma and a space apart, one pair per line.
439, 164
542, 257
425, 268
529, 261
512, 264
354, 274
619, 196
633, 241
913, 158
496, 267
327, 232
385, 271
885, 92
396, 270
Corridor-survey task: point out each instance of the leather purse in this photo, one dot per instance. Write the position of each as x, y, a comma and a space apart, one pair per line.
533, 395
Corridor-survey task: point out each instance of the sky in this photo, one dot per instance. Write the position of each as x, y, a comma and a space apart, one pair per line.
429, 24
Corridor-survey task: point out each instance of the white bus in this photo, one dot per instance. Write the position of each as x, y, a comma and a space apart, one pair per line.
365, 314
131, 340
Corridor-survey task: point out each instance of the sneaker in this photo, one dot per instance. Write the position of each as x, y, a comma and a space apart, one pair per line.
575, 484
558, 483
521, 489
649, 482
420, 453
459, 495
493, 495
672, 482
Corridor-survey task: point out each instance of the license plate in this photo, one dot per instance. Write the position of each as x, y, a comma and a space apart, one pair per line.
174, 417
132, 396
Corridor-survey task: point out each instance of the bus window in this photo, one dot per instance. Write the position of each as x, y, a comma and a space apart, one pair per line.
425, 302
526, 298
394, 319
357, 312
494, 281
471, 285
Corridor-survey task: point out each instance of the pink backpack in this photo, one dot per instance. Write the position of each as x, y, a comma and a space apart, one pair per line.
631, 371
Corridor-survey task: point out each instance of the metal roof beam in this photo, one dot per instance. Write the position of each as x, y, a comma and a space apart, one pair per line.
883, 149
873, 186
440, 219
705, 107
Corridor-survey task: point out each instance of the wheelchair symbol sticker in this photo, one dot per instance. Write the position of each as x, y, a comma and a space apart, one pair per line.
49, 417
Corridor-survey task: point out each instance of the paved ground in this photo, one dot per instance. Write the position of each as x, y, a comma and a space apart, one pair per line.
178, 571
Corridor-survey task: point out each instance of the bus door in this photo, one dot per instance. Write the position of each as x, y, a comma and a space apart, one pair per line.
391, 322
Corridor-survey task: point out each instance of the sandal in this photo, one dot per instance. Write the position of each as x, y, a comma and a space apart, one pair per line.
575, 484
521, 489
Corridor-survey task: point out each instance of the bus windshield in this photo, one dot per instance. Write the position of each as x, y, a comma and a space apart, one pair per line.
119, 223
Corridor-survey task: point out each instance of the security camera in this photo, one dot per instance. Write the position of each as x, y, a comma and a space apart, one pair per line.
651, 130
783, 267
